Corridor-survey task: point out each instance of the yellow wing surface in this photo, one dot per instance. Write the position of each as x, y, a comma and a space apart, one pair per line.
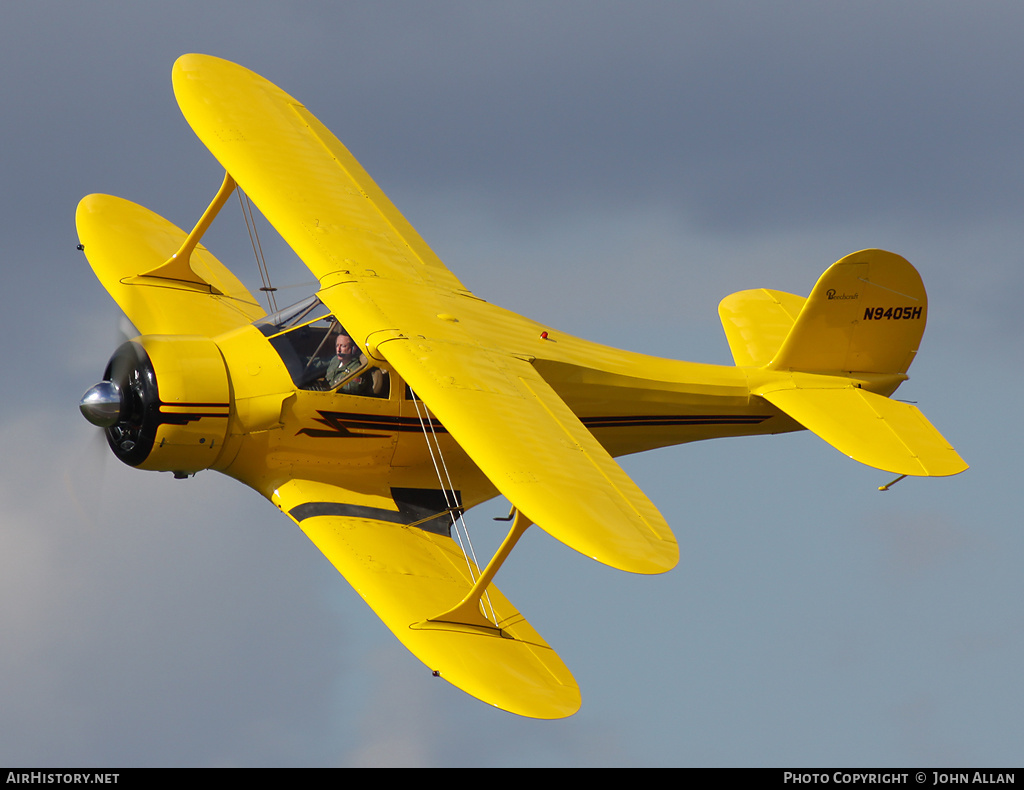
407, 576
537, 452
123, 240
300, 175
401, 303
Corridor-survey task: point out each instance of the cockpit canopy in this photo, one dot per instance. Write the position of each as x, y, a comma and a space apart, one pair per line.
308, 339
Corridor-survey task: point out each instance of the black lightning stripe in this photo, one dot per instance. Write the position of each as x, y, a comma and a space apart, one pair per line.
340, 423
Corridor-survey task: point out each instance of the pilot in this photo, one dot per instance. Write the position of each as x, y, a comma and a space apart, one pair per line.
347, 361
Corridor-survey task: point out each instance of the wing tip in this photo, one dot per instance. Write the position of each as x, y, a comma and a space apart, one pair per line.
658, 557
191, 60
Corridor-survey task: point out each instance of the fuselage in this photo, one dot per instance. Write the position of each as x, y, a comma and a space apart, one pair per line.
252, 403
630, 402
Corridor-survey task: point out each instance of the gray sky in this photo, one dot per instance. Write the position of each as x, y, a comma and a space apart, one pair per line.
614, 169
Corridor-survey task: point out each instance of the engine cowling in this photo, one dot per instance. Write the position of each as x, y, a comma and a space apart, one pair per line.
164, 403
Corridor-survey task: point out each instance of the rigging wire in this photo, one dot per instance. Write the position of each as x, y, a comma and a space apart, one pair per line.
257, 250
444, 489
453, 506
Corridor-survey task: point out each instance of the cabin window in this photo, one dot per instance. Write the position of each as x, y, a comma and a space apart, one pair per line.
319, 354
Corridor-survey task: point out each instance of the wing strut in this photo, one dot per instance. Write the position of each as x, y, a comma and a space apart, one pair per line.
467, 611
470, 611
178, 266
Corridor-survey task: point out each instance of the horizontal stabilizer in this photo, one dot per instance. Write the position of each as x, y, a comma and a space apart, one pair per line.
756, 322
409, 576
872, 429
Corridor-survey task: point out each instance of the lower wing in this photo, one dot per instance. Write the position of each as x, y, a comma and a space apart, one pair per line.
408, 576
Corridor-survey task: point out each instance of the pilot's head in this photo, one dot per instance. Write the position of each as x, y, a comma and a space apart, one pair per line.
345, 347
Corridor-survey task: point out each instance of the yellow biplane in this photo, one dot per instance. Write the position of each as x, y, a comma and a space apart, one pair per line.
374, 413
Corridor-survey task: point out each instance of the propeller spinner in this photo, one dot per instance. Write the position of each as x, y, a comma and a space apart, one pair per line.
121, 403
101, 404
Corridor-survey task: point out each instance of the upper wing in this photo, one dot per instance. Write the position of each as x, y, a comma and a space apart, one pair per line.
460, 354
300, 175
122, 240
408, 576
537, 452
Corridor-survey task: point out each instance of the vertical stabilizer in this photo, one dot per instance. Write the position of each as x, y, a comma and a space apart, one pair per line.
866, 314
